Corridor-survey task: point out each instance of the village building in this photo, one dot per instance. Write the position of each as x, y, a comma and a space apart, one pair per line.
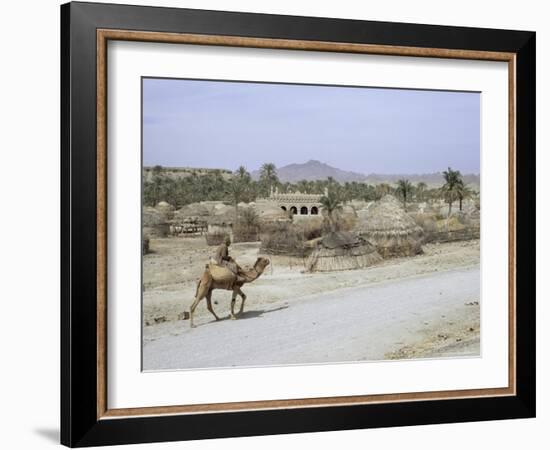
296, 203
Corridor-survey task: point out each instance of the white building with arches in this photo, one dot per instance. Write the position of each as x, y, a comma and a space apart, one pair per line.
300, 205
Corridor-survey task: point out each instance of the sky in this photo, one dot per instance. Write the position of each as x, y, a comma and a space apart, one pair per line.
221, 124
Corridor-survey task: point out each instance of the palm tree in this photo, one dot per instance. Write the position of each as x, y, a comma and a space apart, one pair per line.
268, 176
236, 190
420, 189
347, 192
404, 188
462, 192
381, 190
452, 180
243, 173
249, 217
331, 204
159, 180
245, 179
302, 186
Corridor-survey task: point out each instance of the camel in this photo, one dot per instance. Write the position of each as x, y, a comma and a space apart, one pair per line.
207, 283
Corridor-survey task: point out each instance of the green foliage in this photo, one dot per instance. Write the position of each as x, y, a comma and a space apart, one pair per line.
331, 203
248, 217
463, 192
268, 178
404, 190
453, 180
420, 191
182, 191
381, 189
240, 187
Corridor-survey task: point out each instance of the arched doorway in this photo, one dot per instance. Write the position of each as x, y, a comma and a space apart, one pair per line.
303, 210
314, 210
283, 208
293, 210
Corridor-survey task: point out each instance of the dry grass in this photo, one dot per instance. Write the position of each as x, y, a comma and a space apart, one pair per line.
460, 226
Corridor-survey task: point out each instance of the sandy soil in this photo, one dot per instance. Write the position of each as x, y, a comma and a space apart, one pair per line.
171, 271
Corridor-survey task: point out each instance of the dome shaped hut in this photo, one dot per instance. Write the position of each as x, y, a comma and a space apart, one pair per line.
271, 213
163, 204
166, 209
191, 210
220, 224
342, 250
392, 231
154, 223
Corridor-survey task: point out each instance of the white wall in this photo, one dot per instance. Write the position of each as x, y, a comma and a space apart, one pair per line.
29, 242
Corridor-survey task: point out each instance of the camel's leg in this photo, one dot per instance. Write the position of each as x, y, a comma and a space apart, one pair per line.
233, 299
198, 298
209, 304
203, 289
243, 297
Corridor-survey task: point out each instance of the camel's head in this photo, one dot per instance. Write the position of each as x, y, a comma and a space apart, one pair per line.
261, 264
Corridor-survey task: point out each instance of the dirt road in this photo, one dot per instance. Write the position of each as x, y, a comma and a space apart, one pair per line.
428, 315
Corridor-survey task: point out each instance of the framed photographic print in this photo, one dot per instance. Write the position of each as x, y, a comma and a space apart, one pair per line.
277, 224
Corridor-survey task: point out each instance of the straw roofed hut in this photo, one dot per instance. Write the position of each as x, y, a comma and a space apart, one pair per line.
224, 216
391, 229
271, 213
342, 250
166, 209
191, 210
190, 219
154, 223
220, 224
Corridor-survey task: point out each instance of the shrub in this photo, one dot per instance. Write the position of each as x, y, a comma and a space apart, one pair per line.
283, 238
310, 229
248, 217
247, 228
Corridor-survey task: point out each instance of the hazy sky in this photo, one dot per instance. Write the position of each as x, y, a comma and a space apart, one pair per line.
227, 124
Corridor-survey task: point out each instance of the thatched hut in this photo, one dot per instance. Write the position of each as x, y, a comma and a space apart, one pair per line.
154, 223
222, 220
220, 224
166, 209
342, 250
190, 219
392, 231
271, 213
191, 210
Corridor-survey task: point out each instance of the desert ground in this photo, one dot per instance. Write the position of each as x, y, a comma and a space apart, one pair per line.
415, 307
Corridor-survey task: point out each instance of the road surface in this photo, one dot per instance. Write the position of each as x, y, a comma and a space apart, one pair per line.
353, 324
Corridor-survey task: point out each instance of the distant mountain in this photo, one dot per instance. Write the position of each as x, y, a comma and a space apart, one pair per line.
316, 170
312, 170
